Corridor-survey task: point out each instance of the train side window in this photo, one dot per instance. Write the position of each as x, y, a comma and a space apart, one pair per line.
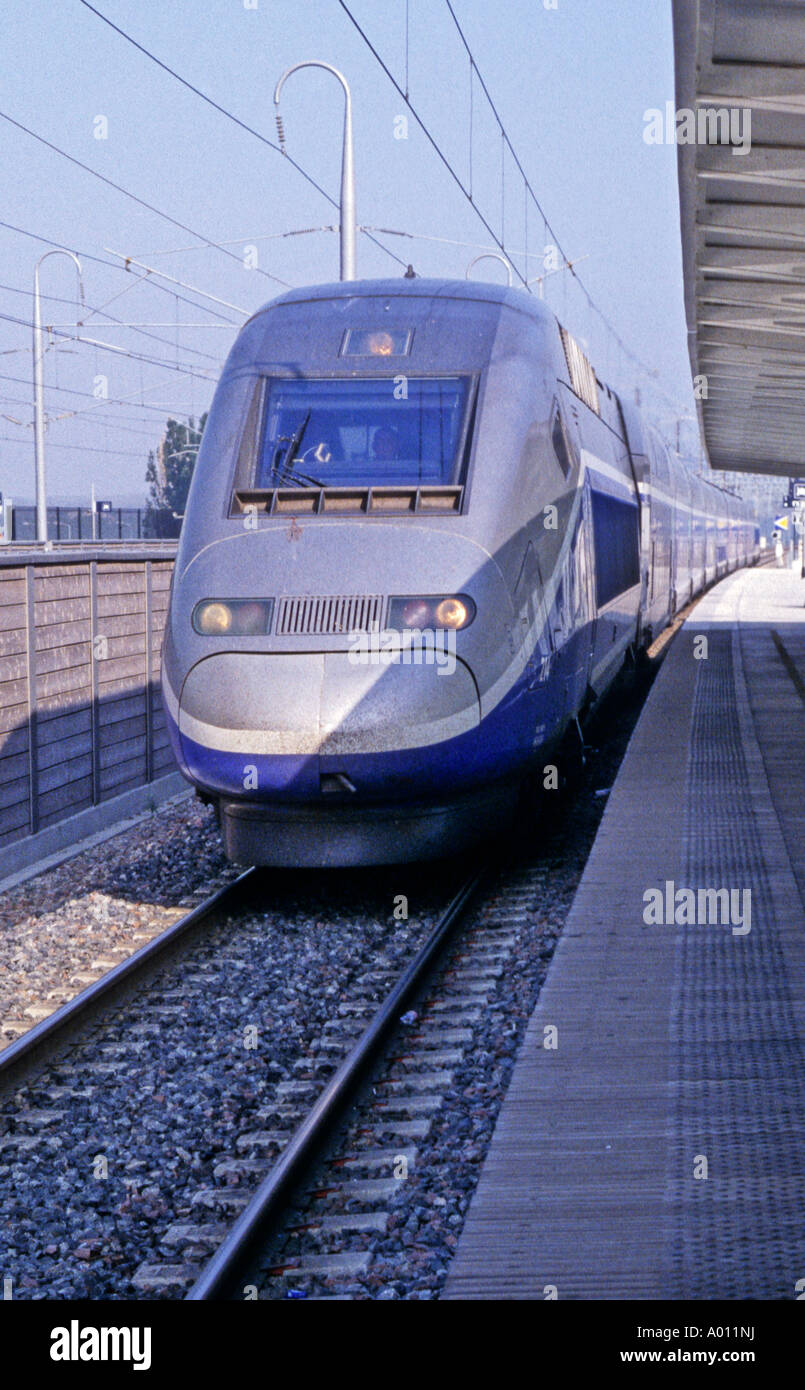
617, 545
559, 441
247, 451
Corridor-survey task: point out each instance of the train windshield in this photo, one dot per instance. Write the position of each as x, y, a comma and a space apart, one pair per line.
362, 432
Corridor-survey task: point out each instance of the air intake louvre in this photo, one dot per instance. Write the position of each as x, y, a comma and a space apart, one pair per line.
406, 499
328, 615
582, 372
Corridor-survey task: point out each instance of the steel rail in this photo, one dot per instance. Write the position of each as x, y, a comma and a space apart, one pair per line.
251, 1227
30, 1051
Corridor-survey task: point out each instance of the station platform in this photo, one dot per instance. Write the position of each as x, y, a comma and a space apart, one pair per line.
651, 1144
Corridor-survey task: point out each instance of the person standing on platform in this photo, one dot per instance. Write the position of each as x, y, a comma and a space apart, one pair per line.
778, 550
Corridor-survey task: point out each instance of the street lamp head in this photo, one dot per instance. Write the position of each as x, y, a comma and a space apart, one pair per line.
61, 251
312, 63
347, 208
490, 256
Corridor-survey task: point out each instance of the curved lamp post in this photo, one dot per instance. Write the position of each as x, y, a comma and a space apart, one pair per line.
347, 211
39, 394
490, 256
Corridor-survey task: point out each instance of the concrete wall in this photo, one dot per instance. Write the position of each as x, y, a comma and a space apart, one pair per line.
81, 721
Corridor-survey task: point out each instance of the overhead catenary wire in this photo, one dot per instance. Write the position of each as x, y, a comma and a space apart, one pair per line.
54, 298
105, 400
120, 323
606, 322
102, 403
112, 265
475, 72
114, 348
455, 241
105, 421
129, 261
223, 111
426, 132
245, 240
135, 327
82, 448
114, 425
504, 134
470, 123
123, 422
87, 416
142, 202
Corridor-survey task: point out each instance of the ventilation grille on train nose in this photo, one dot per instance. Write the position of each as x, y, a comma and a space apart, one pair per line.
328, 615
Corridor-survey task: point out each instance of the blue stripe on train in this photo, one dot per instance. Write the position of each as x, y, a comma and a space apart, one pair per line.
503, 743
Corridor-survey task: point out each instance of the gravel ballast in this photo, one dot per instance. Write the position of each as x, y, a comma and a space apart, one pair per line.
101, 1157
69, 925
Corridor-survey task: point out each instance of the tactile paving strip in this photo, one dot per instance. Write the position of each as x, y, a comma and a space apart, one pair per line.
738, 1066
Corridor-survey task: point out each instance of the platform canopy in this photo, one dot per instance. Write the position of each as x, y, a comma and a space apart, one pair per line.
740, 69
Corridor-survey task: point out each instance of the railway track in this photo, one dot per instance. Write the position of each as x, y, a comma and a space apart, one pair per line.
155, 1082
266, 1204
334, 1224
30, 1051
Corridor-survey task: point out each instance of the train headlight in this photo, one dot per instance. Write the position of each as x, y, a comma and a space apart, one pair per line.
215, 617
456, 611
452, 612
212, 618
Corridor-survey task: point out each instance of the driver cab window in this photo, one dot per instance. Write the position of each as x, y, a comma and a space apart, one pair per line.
360, 432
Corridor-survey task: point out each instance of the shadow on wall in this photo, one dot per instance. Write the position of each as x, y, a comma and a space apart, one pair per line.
81, 717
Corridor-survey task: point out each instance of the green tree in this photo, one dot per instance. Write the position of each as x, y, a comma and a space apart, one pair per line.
170, 467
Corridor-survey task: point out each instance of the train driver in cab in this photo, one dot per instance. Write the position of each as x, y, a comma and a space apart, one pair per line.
385, 444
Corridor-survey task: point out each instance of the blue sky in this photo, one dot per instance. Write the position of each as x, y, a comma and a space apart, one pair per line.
571, 85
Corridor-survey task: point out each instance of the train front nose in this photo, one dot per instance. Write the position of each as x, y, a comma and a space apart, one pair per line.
320, 742
365, 724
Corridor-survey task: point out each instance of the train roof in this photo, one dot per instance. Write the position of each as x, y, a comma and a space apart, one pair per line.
417, 287
470, 291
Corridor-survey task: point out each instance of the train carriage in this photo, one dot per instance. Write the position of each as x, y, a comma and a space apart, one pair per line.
421, 538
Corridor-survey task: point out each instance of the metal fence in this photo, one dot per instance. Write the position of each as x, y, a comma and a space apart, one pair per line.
81, 717
75, 524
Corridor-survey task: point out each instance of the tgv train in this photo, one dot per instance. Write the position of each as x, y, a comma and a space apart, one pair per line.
421, 539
